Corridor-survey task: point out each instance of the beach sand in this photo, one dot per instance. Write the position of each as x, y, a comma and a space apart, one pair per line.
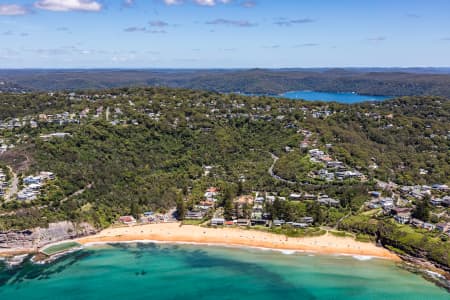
174, 232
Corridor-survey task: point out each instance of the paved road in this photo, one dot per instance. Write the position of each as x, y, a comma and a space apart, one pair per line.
79, 192
271, 173
107, 113
340, 220
14, 186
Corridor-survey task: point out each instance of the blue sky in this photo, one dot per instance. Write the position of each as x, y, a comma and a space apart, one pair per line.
223, 33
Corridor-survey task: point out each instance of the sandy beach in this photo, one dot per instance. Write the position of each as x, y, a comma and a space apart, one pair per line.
173, 232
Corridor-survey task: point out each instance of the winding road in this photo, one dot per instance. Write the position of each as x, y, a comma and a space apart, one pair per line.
79, 192
276, 177
14, 185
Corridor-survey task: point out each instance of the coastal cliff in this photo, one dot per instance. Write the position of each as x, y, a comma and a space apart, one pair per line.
33, 239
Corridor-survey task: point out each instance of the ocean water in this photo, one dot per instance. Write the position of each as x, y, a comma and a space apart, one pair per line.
330, 97
162, 271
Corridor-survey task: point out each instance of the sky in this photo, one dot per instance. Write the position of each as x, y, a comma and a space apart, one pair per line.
224, 33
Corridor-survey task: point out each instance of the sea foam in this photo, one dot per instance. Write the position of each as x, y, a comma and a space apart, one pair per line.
362, 257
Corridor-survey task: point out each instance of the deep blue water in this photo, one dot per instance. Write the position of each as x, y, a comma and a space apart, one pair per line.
347, 98
156, 271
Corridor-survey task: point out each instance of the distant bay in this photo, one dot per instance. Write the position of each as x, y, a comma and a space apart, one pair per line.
347, 98
163, 271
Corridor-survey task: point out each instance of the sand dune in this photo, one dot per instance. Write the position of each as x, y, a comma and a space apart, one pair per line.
174, 232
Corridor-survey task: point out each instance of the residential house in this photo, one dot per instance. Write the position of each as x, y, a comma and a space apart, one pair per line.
127, 220
436, 201
375, 194
446, 201
335, 164
308, 220
400, 210
428, 226
270, 199
440, 187
325, 200
307, 196
254, 222
417, 223
211, 193
34, 187
295, 197
278, 222
47, 175
194, 215
243, 222
205, 205
387, 203
403, 218
32, 180
443, 227
217, 222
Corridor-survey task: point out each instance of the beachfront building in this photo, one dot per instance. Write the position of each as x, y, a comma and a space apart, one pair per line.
278, 223
243, 222
127, 220
194, 215
217, 222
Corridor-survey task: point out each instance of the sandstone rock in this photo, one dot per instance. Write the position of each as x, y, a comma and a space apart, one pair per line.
37, 237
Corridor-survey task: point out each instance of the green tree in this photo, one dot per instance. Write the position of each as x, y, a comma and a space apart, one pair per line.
422, 210
135, 209
181, 207
317, 213
228, 210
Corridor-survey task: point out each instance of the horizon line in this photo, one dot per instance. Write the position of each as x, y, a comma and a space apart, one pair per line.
222, 68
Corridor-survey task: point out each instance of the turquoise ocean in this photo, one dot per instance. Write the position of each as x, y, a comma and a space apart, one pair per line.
164, 271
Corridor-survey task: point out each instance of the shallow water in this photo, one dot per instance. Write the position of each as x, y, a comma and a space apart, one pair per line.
145, 271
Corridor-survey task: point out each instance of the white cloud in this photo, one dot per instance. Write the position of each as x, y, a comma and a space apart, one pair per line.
68, 5
173, 2
211, 2
12, 10
206, 2
237, 23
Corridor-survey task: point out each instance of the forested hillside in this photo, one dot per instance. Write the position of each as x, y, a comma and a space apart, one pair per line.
395, 82
130, 150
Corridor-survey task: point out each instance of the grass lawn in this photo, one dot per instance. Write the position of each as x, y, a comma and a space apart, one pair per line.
341, 233
193, 222
371, 212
